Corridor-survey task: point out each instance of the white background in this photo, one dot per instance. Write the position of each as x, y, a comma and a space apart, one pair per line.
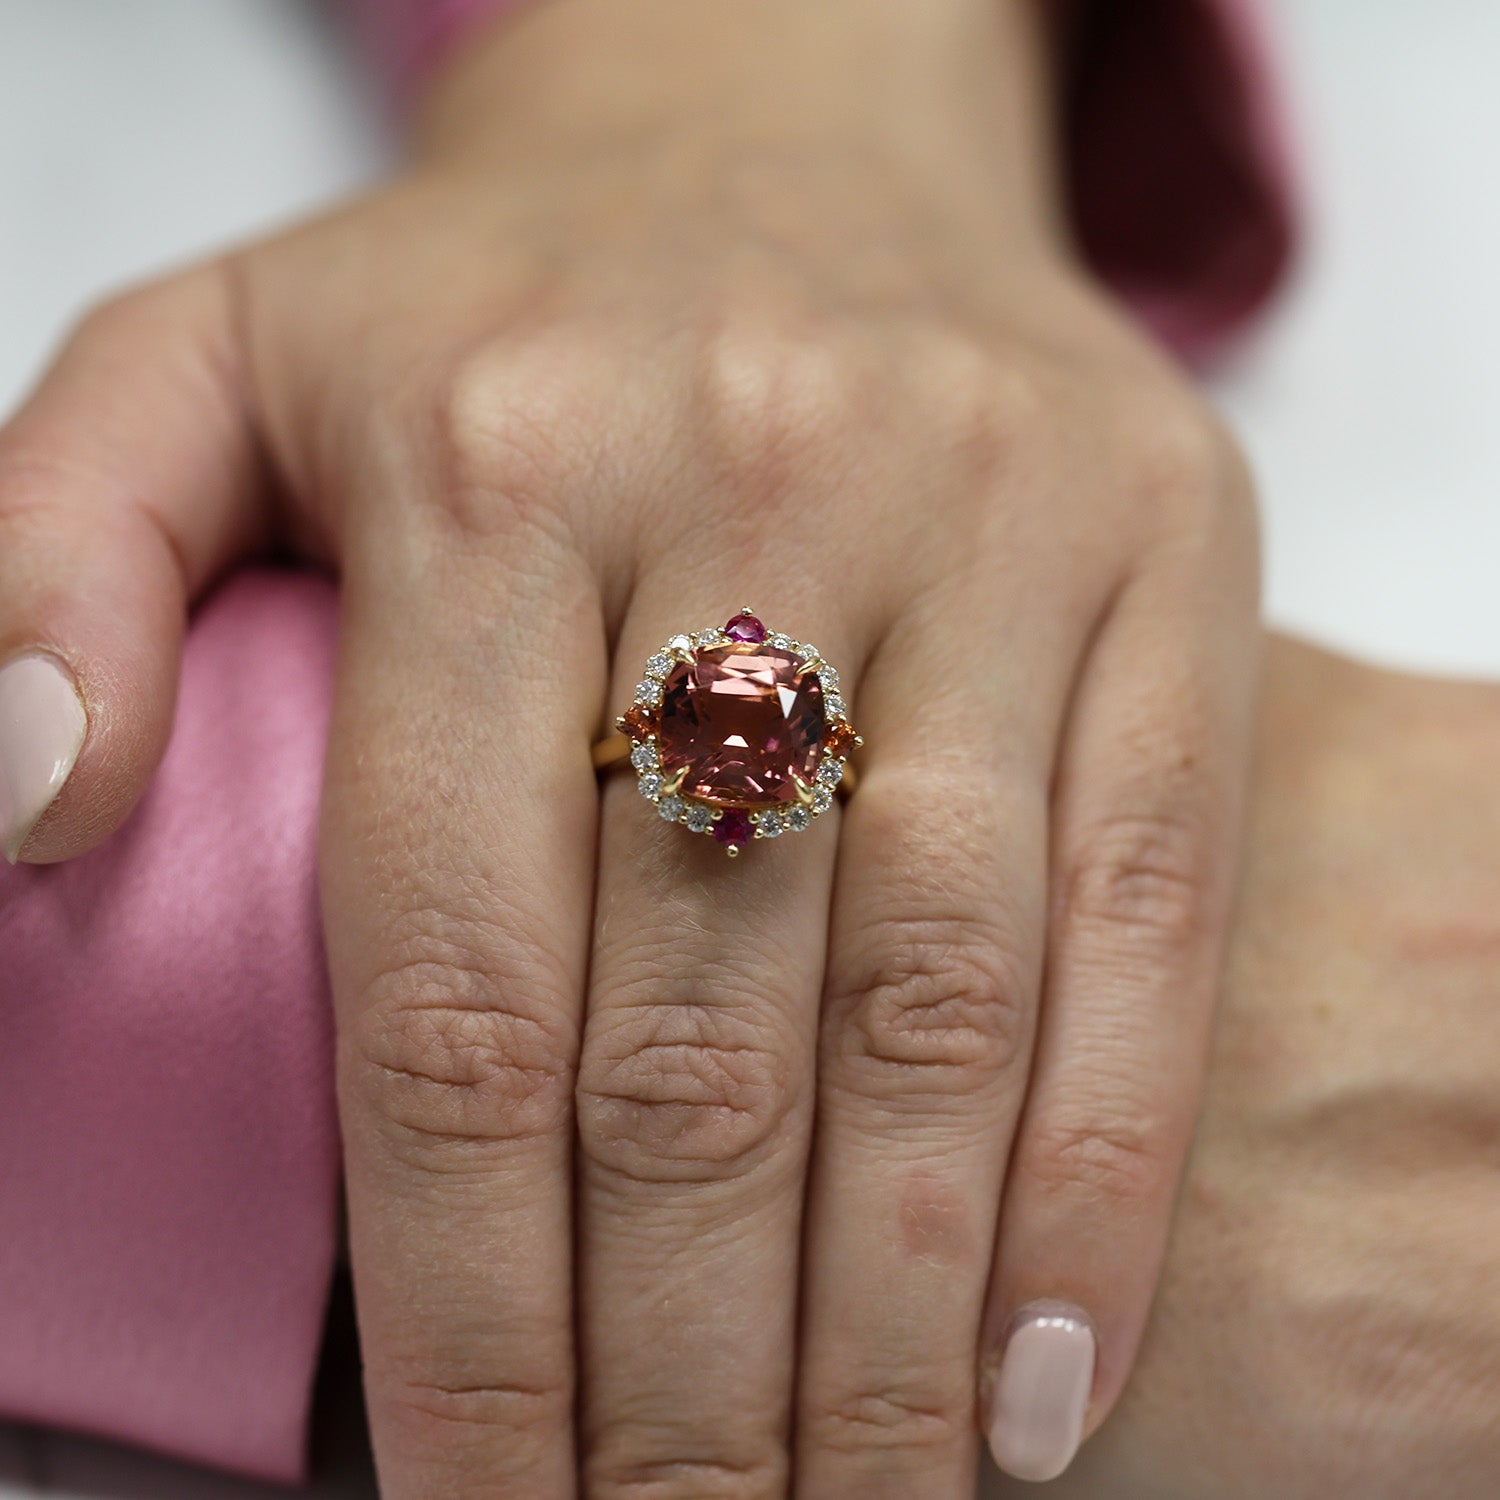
134, 135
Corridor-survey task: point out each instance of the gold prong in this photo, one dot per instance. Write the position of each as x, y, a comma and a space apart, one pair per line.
732, 850
804, 789
747, 610
672, 784
812, 664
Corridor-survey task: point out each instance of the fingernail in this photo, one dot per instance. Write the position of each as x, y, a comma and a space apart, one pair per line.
42, 726
1041, 1392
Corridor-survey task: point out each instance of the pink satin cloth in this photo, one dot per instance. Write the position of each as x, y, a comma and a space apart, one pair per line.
168, 1143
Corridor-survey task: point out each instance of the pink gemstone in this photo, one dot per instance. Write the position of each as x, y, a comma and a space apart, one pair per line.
734, 827
742, 724
745, 628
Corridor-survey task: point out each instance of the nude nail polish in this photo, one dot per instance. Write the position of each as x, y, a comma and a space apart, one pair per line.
42, 728
1040, 1397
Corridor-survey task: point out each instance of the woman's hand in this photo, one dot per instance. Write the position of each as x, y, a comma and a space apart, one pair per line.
682, 306
1328, 1324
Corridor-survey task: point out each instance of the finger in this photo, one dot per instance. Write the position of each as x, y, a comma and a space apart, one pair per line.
126, 482
457, 872
1145, 850
933, 975
695, 1107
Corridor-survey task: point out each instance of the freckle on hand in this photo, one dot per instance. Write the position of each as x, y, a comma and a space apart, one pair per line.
936, 1222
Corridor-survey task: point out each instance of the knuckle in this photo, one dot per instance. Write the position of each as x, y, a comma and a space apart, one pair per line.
514, 1407
507, 1418
891, 1419
936, 998
676, 1089
935, 1008
1189, 464
774, 387
509, 426
452, 1050
1115, 1158
1143, 880
687, 1477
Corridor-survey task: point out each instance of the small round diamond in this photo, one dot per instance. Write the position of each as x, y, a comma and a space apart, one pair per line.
658, 664
670, 808
644, 758
829, 677
833, 706
769, 824
805, 649
782, 642
648, 692
707, 637
797, 818
822, 800
680, 643
650, 784
831, 772
699, 819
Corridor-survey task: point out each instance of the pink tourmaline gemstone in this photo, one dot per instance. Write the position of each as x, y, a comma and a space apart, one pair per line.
734, 827
741, 723
745, 628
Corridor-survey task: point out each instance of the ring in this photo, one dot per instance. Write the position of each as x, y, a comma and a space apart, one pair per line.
736, 732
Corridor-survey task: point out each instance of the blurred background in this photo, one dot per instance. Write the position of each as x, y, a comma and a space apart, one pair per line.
133, 136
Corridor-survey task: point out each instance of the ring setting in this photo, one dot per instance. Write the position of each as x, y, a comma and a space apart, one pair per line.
739, 733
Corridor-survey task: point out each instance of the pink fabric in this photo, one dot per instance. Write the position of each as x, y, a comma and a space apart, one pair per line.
168, 1148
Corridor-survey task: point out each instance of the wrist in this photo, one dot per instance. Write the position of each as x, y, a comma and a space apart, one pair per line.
959, 89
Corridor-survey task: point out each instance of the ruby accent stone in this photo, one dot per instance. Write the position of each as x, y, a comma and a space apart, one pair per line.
734, 827
745, 628
740, 723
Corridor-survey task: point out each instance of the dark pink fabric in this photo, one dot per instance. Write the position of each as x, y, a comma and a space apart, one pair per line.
1182, 185
168, 1149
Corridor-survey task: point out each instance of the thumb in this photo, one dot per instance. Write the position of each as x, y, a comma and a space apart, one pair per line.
126, 482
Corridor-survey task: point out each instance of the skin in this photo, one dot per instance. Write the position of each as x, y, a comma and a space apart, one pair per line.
681, 306
1327, 1323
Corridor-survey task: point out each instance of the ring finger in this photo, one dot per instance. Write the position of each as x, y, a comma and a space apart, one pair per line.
694, 1114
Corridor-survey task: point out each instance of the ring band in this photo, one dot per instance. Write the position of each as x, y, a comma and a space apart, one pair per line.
736, 732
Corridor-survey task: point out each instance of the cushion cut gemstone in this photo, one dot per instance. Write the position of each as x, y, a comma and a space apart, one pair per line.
742, 724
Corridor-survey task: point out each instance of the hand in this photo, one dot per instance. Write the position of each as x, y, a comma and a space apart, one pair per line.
681, 306
1328, 1324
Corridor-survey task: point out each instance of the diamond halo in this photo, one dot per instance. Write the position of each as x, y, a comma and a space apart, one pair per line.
739, 733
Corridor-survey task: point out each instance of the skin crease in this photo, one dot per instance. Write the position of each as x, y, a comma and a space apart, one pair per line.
1327, 1323
678, 307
